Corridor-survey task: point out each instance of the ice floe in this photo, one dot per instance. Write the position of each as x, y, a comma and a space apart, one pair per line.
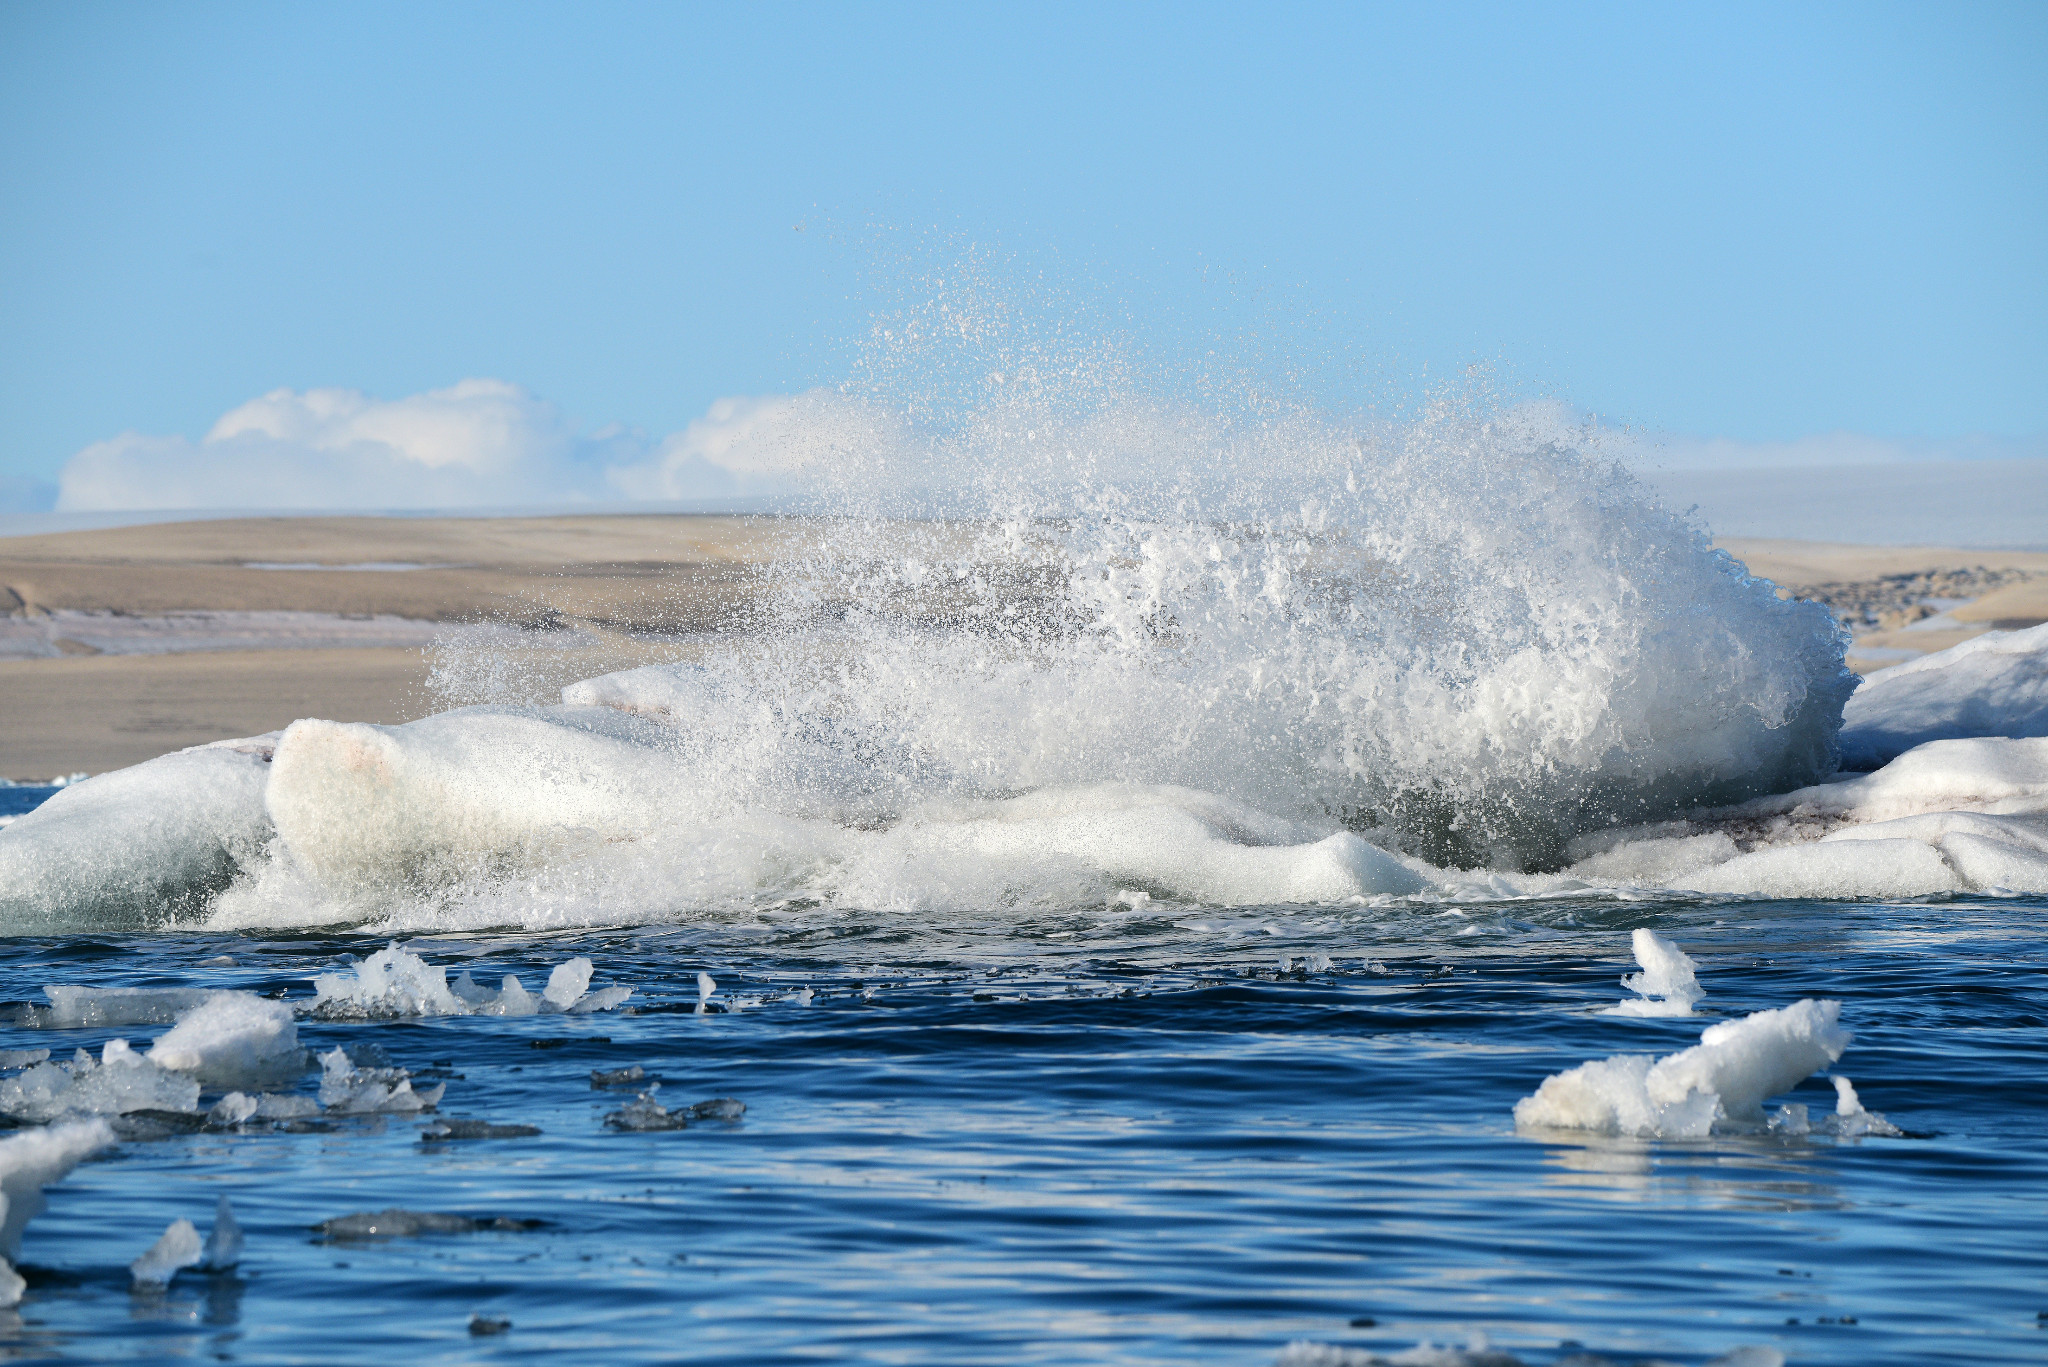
1722, 1081
140, 844
1993, 685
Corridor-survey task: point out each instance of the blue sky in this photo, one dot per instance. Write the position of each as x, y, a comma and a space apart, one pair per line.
1752, 222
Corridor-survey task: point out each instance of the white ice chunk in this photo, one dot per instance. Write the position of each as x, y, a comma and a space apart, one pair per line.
272, 1106
513, 1000
1725, 1078
1850, 1119
706, 985
391, 982
567, 983
235, 1037
121, 1081
33, 1159
2002, 777
1994, 685
1667, 986
178, 1248
136, 845
224, 1241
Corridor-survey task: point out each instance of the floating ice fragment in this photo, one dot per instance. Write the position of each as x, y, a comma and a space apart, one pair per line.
802, 996
72, 1007
178, 1248
22, 1058
231, 1110
1721, 1081
391, 982
568, 982
1850, 1119
271, 1106
604, 999
120, 1082
11, 1285
363, 1091
224, 1241
32, 1159
513, 1000
705, 987
1667, 986
718, 1108
483, 1325
645, 1113
233, 1037
457, 1127
617, 1077
395, 1223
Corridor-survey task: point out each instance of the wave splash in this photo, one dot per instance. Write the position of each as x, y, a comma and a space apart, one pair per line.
1052, 637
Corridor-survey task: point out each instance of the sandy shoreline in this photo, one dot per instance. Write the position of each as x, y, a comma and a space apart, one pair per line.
85, 707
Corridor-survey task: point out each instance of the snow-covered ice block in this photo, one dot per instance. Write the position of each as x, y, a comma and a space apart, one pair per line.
1724, 1079
1994, 685
233, 1038
136, 845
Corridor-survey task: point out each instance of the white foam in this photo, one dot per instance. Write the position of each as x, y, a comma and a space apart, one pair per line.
1993, 685
119, 1082
176, 1249
232, 1038
1721, 1081
136, 846
1667, 986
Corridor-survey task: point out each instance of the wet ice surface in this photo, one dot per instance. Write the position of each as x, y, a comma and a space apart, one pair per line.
1125, 1136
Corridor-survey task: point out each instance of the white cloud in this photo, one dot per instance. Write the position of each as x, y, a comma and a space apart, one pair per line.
477, 444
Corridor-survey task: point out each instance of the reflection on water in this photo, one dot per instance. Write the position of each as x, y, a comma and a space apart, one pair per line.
1143, 1138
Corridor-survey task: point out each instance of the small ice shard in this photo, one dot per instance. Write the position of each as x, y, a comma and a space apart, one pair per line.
802, 996
483, 1325
232, 1037
617, 1077
218, 961
224, 1242
705, 987
567, 983
1792, 1118
604, 999
514, 999
177, 1249
1667, 986
1722, 1080
272, 1106
1851, 1121
645, 1113
231, 1110
72, 1007
470, 992
718, 1108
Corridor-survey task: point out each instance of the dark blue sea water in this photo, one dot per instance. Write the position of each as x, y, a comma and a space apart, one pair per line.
1133, 1138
